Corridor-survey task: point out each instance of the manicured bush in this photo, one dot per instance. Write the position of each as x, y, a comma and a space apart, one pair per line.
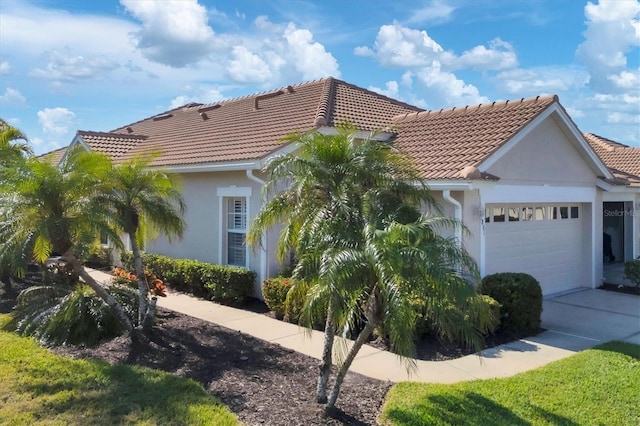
99, 257
520, 297
274, 291
223, 284
632, 271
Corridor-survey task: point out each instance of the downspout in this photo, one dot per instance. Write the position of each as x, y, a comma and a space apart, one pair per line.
457, 214
263, 251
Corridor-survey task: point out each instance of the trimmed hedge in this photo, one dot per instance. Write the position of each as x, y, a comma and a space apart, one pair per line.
228, 285
632, 271
274, 291
520, 297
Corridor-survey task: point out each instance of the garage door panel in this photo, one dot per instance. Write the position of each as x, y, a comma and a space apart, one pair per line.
549, 250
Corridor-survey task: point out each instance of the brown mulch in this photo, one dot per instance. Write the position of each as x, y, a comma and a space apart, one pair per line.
621, 289
263, 383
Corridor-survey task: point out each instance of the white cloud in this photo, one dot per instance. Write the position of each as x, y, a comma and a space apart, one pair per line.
623, 118
36, 142
391, 89
64, 66
500, 55
626, 79
4, 67
399, 46
199, 95
12, 97
174, 33
56, 120
613, 30
309, 58
541, 80
437, 11
445, 89
247, 67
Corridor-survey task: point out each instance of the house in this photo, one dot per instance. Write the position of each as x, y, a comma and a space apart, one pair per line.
531, 188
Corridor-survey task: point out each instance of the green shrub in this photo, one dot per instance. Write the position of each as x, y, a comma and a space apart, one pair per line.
99, 257
520, 297
274, 291
63, 314
223, 284
632, 271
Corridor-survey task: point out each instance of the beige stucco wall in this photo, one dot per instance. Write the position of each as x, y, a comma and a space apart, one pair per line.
544, 155
202, 217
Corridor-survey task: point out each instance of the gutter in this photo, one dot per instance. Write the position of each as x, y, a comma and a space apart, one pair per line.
457, 213
263, 251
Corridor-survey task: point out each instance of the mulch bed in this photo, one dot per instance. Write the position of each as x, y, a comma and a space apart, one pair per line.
263, 383
620, 289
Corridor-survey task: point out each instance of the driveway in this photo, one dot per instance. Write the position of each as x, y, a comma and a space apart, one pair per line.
588, 317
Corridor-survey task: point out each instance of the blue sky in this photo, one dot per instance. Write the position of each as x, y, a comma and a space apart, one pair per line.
98, 65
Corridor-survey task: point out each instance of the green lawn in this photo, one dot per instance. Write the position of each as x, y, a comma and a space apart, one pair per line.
600, 386
39, 387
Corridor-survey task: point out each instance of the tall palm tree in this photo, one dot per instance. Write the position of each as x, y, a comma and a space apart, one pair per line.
140, 198
332, 183
49, 210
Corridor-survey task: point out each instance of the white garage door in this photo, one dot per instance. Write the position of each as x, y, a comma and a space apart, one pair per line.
544, 241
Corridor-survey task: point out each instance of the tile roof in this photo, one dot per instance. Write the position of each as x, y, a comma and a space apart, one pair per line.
622, 160
448, 144
114, 144
55, 156
251, 127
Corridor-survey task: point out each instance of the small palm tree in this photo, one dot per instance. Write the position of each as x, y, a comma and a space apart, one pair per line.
143, 198
386, 270
54, 210
331, 183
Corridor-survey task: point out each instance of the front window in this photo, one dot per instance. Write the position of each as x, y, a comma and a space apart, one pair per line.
236, 230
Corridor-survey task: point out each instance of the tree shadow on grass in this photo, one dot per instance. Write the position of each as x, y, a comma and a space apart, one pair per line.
466, 408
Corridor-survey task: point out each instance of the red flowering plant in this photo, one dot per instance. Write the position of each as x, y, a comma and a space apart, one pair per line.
156, 286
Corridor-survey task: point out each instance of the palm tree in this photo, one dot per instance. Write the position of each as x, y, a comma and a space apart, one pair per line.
13, 148
53, 210
332, 183
387, 269
13, 143
139, 198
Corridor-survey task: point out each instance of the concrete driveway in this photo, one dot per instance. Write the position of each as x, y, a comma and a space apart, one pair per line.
585, 318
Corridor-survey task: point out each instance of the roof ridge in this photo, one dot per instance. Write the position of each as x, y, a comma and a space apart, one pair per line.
324, 106
376, 94
253, 95
119, 135
473, 108
606, 143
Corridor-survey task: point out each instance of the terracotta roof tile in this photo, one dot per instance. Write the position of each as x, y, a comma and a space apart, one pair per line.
622, 160
443, 143
251, 127
55, 156
114, 144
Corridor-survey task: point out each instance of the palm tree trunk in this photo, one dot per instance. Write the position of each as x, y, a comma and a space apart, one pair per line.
327, 357
143, 288
344, 368
100, 291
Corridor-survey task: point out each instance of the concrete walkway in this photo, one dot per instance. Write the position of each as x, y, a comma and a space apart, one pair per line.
574, 322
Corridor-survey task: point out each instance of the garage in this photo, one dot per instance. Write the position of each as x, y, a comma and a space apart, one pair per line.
543, 240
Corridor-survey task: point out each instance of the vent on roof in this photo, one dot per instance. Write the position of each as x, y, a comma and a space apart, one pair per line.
162, 117
204, 116
208, 108
266, 96
129, 130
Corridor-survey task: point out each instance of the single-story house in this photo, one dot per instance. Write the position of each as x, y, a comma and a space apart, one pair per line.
536, 193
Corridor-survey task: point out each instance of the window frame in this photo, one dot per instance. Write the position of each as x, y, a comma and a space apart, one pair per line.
226, 195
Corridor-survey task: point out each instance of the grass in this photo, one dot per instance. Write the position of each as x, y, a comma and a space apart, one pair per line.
38, 387
595, 387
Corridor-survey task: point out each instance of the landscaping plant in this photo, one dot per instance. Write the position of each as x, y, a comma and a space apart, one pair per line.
632, 271
520, 299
